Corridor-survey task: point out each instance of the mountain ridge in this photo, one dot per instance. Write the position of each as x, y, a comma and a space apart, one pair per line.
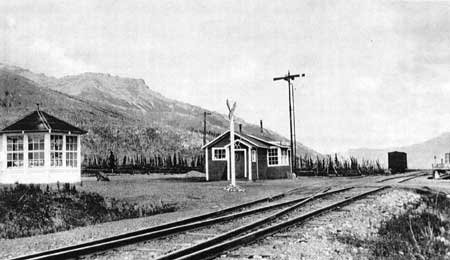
99, 101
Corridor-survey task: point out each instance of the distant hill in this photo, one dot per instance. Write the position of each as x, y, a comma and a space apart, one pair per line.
121, 114
420, 156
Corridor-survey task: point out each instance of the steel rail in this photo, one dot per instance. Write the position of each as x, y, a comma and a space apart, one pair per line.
413, 177
214, 250
396, 177
237, 231
159, 231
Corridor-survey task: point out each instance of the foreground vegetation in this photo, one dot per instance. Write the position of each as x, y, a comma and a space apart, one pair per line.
27, 210
420, 233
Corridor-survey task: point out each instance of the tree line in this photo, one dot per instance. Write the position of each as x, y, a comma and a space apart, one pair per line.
332, 165
168, 163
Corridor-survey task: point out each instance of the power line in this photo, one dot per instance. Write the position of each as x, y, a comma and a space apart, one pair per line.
288, 78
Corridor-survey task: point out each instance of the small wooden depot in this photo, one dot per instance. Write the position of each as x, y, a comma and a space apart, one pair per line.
255, 158
40, 148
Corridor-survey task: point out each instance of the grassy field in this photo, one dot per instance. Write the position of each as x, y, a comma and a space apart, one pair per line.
192, 193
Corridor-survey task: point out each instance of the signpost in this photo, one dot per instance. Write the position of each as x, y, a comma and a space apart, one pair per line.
231, 110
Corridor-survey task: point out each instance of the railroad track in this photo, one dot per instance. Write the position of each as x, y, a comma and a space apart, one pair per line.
206, 236
162, 230
265, 226
208, 241
403, 178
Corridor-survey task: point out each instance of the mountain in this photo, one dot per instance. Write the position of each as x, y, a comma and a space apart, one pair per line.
121, 114
420, 156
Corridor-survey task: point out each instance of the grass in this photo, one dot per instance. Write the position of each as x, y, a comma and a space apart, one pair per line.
131, 196
420, 233
27, 210
192, 193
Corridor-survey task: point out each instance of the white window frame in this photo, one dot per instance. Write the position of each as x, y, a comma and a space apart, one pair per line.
17, 152
71, 154
281, 161
284, 159
213, 155
272, 156
253, 155
54, 151
39, 162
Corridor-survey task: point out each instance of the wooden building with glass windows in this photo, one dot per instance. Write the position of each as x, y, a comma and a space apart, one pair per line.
255, 158
40, 148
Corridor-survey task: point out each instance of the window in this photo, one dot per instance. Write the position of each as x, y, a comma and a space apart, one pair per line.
284, 157
35, 150
14, 151
253, 155
56, 146
272, 156
219, 154
71, 151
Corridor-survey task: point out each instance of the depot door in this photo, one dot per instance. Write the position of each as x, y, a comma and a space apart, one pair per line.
240, 164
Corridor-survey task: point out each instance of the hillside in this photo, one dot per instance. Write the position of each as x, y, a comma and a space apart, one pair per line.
122, 114
420, 155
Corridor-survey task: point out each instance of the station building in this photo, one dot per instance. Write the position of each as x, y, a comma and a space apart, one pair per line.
255, 158
40, 148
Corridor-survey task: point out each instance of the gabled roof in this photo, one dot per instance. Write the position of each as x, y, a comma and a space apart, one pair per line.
256, 141
39, 121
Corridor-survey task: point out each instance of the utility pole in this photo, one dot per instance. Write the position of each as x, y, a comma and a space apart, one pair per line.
288, 78
204, 126
232, 155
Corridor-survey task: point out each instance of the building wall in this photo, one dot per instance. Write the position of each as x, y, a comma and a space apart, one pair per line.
273, 172
278, 172
217, 170
42, 174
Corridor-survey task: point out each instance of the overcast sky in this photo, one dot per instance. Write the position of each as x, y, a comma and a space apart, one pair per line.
377, 72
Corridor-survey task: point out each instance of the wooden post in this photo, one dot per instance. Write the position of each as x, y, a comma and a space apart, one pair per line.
232, 155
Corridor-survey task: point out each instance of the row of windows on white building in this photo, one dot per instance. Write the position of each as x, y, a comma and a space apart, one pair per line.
36, 151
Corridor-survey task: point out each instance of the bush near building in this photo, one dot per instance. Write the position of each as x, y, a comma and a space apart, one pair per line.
27, 210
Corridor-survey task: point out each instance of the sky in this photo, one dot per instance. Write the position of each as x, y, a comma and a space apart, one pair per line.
377, 72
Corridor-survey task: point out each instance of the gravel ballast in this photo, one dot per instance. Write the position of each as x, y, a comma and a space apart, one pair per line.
335, 235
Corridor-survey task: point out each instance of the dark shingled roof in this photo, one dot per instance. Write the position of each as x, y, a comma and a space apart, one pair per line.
39, 121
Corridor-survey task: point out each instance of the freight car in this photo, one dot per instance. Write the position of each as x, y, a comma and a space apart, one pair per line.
397, 162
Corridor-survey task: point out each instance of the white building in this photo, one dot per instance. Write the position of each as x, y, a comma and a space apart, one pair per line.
40, 148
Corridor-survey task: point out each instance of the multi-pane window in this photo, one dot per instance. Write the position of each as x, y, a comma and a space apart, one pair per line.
14, 151
219, 154
284, 157
56, 147
272, 156
71, 151
36, 150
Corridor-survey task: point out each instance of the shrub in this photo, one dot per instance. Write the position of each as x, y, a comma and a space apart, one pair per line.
26, 210
419, 233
